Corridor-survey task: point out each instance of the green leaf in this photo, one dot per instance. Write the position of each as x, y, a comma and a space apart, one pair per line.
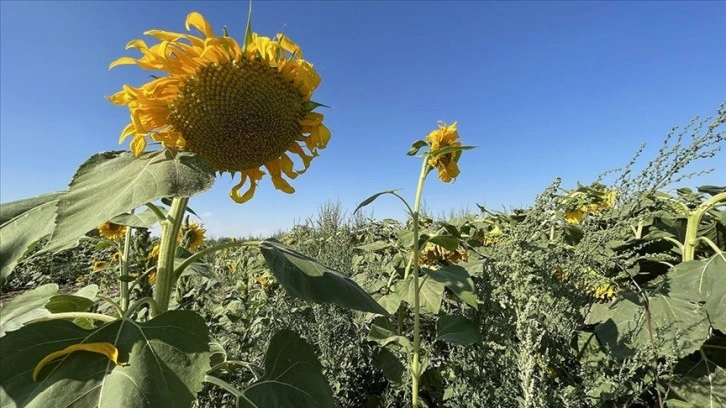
700, 378
457, 279
680, 325
68, 303
307, 279
449, 149
12, 209
373, 198
145, 219
293, 377
27, 222
457, 330
383, 333
703, 281
446, 241
392, 368
165, 362
26, 307
113, 183
375, 246
430, 295
416, 146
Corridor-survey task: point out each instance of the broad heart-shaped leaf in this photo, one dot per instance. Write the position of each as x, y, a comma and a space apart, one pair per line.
457, 279
12, 209
703, 281
293, 377
445, 241
457, 330
679, 325
165, 362
391, 365
24, 223
41, 302
430, 295
26, 307
113, 183
701, 377
307, 279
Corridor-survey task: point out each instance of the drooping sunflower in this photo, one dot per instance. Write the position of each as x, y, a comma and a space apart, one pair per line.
431, 254
112, 231
240, 107
446, 163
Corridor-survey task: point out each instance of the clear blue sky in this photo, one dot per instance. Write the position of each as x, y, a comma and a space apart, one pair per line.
545, 89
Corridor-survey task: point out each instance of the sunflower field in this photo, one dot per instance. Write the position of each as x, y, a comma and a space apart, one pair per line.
605, 294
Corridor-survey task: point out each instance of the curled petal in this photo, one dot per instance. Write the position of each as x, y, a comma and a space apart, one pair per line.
128, 130
254, 175
274, 167
286, 165
198, 21
138, 145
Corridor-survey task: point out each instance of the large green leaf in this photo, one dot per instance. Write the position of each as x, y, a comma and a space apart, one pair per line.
457, 330
293, 377
144, 219
679, 326
457, 279
307, 279
25, 222
41, 302
113, 183
703, 281
430, 295
165, 363
383, 333
12, 209
392, 368
701, 378
26, 307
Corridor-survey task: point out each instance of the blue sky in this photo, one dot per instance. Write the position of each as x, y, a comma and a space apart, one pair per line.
545, 89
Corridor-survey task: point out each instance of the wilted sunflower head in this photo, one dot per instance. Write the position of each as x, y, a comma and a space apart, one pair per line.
446, 163
431, 254
112, 231
240, 107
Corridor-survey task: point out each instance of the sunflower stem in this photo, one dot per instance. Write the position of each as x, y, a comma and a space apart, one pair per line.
167, 250
415, 363
124, 286
694, 221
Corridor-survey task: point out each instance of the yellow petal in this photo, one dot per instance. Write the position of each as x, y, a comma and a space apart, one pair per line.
198, 21
122, 61
138, 145
107, 349
289, 46
129, 129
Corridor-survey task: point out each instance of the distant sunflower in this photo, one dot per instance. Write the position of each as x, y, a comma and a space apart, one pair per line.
116, 256
98, 265
574, 216
238, 107
112, 231
446, 163
193, 236
431, 254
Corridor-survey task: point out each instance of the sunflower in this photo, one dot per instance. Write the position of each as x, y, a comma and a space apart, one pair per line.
446, 163
238, 107
98, 265
574, 216
193, 236
112, 231
116, 256
431, 254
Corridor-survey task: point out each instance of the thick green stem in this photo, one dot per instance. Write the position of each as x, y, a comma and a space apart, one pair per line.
694, 221
124, 286
165, 276
415, 364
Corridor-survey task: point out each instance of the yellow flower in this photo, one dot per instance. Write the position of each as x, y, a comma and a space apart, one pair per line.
446, 163
574, 216
112, 231
193, 236
152, 277
604, 291
116, 256
154, 252
238, 107
99, 265
431, 254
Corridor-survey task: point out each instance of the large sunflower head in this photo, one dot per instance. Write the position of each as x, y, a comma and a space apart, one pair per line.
240, 107
446, 163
